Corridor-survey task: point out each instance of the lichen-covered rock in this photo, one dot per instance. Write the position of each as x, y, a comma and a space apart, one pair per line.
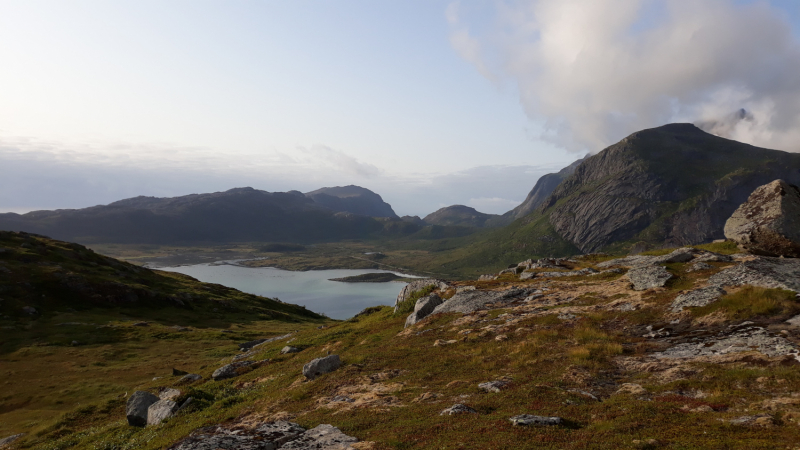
190, 378
235, 369
768, 223
321, 437
493, 386
766, 272
423, 308
742, 340
699, 266
467, 302
697, 297
528, 420
136, 407
160, 410
417, 285
169, 394
458, 408
289, 349
320, 366
648, 277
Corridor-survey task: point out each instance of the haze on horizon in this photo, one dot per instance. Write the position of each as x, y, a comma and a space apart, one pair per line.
426, 102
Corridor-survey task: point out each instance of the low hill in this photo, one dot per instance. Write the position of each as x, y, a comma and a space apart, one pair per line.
242, 214
352, 199
458, 215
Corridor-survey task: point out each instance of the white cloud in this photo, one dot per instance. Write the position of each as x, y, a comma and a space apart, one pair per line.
597, 71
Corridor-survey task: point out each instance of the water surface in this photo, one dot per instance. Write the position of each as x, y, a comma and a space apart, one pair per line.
311, 289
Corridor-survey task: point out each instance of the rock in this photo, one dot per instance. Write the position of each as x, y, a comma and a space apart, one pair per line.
169, 394
279, 432
267, 436
528, 420
795, 321
458, 408
501, 338
75, 343
176, 372
680, 255
235, 369
289, 349
10, 439
136, 407
648, 277
486, 278
320, 366
467, 302
160, 410
761, 420
442, 343
325, 437
768, 223
697, 297
763, 272
141, 324
712, 257
423, 308
190, 378
699, 266
493, 386
632, 389
741, 340
527, 275
415, 286
244, 346
29, 310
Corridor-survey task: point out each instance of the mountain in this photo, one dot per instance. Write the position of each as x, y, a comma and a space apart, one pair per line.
352, 199
241, 214
667, 186
458, 215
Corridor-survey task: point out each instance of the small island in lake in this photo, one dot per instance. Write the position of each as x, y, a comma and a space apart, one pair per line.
370, 278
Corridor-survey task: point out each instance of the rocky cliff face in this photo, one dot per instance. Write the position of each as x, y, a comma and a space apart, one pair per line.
458, 215
670, 186
352, 199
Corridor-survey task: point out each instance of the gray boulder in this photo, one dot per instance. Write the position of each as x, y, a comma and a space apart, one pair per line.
415, 286
10, 439
680, 255
190, 378
528, 420
768, 223
320, 366
289, 349
136, 407
160, 410
423, 308
697, 297
169, 394
325, 437
648, 277
235, 369
467, 302
493, 386
458, 408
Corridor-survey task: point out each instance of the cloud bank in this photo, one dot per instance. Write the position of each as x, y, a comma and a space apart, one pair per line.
594, 72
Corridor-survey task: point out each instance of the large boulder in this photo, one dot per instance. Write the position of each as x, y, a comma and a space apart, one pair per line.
137, 406
319, 366
648, 277
768, 223
417, 285
423, 308
235, 369
160, 410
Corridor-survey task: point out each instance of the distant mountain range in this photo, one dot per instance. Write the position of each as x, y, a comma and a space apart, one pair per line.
352, 199
458, 215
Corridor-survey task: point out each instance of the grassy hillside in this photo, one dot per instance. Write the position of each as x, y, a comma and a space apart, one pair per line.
67, 333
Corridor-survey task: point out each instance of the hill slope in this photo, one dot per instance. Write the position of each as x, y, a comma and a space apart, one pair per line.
668, 186
458, 215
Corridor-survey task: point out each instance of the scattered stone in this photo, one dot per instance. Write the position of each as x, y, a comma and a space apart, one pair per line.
649, 277
697, 297
465, 289
423, 308
458, 408
75, 343
169, 394
567, 316
245, 346
631, 388
177, 372
768, 223
29, 310
235, 369
493, 386
289, 349
342, 398
160, 410
501, 338
320, 366
136, 407
190, 378
696, 267
762, 420
141, 324
528, 420
10, 439
442, 343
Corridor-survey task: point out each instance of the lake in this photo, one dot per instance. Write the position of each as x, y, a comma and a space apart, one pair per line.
311, 289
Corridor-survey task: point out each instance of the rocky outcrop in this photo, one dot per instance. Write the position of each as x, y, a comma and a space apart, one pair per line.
235, 369
423, 308
6, 441
190, 378
768, 223
766, 272
469, 301
531, 420
320, 366
136, 407
418, 285
289, 349
648, 277
268, 436
741, 340
697, 297
493, 386
456, 409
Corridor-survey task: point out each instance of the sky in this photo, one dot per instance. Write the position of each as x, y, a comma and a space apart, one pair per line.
426, 102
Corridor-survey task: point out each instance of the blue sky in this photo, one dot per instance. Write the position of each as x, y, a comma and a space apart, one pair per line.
105, 100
